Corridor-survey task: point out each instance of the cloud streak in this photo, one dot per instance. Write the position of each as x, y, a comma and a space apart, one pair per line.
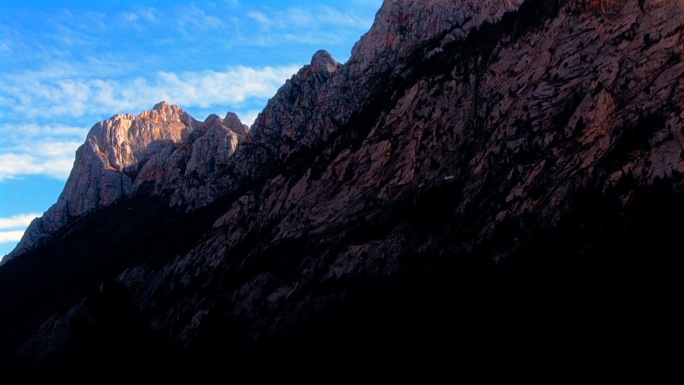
11, 236
30, 95
191, 18
17, 221
67, 68
320, 25
45, 149
12, 228
55, 163
38, 149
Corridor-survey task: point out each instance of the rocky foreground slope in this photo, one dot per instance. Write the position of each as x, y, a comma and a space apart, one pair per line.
482, 185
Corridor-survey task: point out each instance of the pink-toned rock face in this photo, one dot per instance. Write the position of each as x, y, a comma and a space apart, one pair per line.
124, 152
106, 164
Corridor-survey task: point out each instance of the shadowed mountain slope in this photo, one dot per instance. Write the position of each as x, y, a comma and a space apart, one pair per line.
484, 187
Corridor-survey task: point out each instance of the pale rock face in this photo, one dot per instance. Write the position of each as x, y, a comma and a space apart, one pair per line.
121, 141
114, 148
123, 153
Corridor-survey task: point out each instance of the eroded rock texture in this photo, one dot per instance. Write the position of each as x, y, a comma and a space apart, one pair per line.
480, 176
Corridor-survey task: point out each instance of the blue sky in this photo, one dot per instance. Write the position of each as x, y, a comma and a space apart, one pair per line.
66, 65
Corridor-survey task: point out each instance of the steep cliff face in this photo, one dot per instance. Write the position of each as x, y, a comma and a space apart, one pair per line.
479, 176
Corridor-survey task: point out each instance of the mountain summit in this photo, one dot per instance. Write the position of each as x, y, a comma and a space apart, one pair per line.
483, 186
121, 154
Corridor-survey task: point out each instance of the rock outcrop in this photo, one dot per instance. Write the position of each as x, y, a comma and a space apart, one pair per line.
479, 176
158, 147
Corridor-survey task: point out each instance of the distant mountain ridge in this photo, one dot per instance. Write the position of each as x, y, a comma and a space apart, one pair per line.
479, 176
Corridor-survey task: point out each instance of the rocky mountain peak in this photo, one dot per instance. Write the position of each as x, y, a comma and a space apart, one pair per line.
127, 151
232, 121
283, 132
121, 142
479, 175
163, 111
323, 62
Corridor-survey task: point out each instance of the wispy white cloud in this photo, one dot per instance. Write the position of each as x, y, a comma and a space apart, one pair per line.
38, 149
77, 67
55, 163
314, 25
17, 221
190, 18
31, 95
332, 15
48, 149
320, 17
261, 19
11, 236
233, 86
12, 228
32, 135
147, 14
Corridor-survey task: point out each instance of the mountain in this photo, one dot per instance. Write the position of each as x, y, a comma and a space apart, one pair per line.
484, 188
126, 152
